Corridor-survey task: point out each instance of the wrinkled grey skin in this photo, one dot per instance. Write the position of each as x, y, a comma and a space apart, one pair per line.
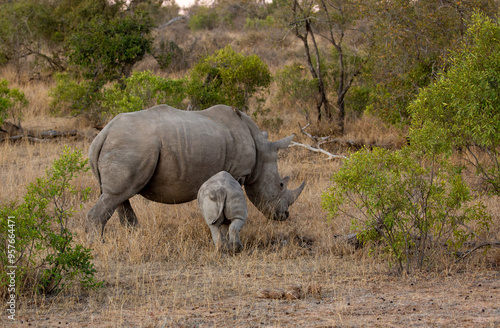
165, 155
223, 205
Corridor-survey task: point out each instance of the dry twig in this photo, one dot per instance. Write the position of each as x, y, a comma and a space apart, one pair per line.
318, 142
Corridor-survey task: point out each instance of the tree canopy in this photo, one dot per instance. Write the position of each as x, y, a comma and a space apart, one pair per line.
461, 109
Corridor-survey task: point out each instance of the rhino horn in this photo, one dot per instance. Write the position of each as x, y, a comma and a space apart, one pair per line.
294, 194
282, 143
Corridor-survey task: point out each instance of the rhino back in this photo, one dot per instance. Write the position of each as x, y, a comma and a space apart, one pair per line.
193, 147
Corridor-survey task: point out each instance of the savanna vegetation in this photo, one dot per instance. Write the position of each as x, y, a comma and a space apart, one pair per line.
396, 109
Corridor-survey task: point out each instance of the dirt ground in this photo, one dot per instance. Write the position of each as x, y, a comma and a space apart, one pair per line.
364, 300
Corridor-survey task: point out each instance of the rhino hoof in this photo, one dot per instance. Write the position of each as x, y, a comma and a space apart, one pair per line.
235, 247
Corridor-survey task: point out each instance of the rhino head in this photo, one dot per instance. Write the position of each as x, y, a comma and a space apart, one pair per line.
268, 191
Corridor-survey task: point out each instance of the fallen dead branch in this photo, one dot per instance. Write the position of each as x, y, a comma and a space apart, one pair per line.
56, 134
318, 142
318, 150
481, 245
26, 137
351, 239
41, 137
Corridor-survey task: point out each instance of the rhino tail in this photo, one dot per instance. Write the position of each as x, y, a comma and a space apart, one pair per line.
214, 205
94, 153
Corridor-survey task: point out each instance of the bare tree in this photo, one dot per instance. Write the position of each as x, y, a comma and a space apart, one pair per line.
332, 20
302, 24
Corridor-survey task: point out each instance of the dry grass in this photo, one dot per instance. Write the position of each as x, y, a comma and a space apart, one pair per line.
167, 274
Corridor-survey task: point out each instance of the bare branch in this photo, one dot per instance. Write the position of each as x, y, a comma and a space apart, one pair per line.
485, 244
173, 20
318, 150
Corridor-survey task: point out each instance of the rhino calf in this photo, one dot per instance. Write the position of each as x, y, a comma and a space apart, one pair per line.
222, 202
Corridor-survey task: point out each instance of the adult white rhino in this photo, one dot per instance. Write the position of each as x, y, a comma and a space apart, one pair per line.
166, 154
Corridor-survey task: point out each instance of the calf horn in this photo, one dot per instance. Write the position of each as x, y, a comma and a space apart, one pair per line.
294, 194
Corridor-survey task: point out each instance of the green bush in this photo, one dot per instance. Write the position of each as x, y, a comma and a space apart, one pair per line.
143, 90
77, 97
461, 110
106, 49
227, 77
257, 23
413, 206
101, 51
170, 56
294, 89
12, 102
357, 100
204, 19
35, 235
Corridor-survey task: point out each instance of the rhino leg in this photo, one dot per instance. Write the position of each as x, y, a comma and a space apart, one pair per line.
99, 215
121, 179
234, 235
218, 236
127, 215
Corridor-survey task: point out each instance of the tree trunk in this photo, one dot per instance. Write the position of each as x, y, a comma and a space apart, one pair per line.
340, 113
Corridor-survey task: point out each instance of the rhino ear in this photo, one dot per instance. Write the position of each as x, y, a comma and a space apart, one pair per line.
265, 134
282, 143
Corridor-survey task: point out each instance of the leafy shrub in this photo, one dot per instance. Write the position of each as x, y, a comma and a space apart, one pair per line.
12, 102
46, 256
461, 110
357, 100
143, 90
106, 49
257, 23
103, 50
74, 97
227, 77
170, 56
294, 89
413, 206
204, 19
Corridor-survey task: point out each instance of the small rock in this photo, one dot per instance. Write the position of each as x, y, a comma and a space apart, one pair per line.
292, 295
263, 293
276, 294
314, 290
270, 293
297, 288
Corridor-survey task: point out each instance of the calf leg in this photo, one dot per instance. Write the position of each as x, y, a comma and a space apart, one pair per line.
234, 235
218, 236
127, 215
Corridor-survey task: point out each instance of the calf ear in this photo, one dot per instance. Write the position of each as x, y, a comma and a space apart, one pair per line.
212, 206
282, 143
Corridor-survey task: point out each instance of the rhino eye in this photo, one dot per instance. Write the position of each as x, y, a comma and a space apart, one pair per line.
281, 184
